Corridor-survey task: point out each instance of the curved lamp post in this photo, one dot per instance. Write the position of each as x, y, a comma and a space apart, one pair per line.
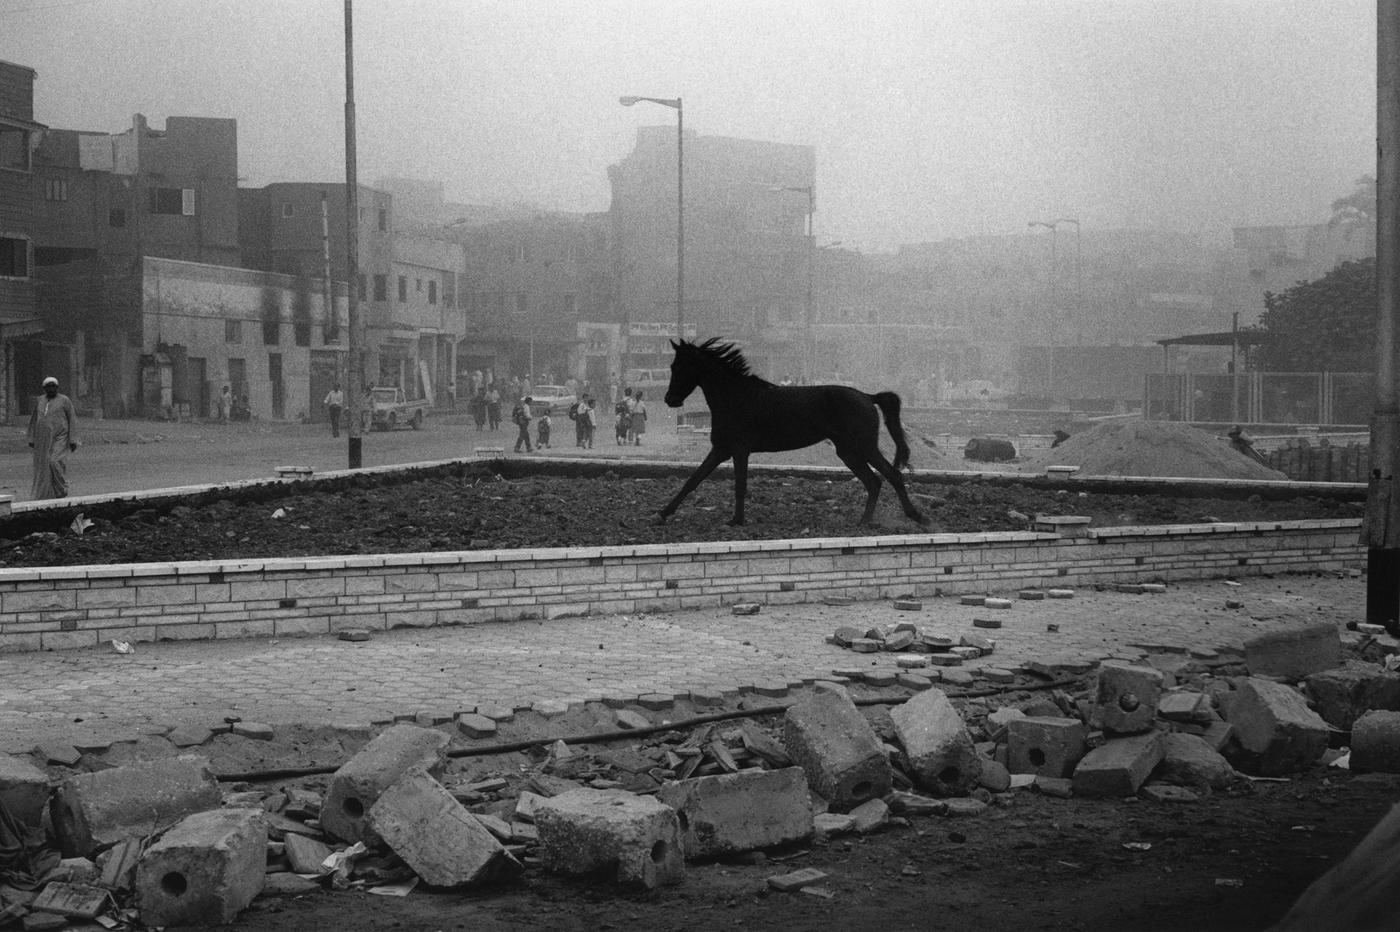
675, 104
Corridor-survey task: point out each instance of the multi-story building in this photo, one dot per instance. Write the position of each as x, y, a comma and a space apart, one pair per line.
748, 253
23, 364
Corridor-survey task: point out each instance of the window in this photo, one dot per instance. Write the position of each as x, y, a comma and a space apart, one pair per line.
362, 284
403, 288
432, 292
14, 257
14, 147
176, 201
383, 219
381, 288
233, 331
418, 285
288, 210
117, 216
55, 189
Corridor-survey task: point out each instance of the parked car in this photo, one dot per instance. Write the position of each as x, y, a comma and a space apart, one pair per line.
389, 409
555, 399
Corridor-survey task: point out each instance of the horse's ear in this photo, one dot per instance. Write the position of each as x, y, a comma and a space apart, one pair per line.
674, 346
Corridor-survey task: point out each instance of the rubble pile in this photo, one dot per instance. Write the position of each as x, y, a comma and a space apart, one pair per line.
1153, 448
162, 842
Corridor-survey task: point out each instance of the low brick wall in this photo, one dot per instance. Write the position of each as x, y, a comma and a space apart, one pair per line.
81, 606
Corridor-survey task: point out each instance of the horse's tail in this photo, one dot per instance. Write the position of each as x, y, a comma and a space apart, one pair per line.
888, 403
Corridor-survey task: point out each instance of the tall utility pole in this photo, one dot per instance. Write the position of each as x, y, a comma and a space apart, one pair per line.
355, 367
1381, 531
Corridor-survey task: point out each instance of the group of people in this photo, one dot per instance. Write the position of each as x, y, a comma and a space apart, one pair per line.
631, 413
630, 424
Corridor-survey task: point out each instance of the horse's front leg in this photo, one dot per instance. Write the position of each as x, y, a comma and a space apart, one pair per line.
741, 486
707, 466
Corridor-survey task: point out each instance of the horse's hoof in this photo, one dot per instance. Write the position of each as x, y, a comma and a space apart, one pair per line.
735, 522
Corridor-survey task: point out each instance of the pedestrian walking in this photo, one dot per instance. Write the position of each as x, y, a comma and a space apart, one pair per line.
622, 411
542, 432
335, 401
639, 418
493, 407
580, 424
479, 409
52, 435
225, 405
589, 416
520, 416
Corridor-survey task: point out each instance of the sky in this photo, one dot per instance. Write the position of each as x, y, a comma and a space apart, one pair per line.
930, 120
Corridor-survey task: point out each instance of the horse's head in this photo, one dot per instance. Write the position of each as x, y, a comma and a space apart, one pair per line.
685, 374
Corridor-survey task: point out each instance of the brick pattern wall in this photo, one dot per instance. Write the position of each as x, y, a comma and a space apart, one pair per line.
82, 606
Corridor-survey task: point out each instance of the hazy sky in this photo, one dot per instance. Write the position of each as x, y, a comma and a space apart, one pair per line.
932, 119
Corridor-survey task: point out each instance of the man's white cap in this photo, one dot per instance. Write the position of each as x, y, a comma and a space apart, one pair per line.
50, 379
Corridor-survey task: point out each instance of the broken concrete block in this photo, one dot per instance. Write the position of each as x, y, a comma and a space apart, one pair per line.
994, 777
830, 824
204, 870
1184, 706
734, 812
826, 736
1375, 743
1188, 760
1118, 767
475, 726
74, 900
358, 783
635, 840
306, 855
942, 759
118, 864
1344, 693
1044, 745
871, 815
434, 834
24, 789
1126, 699
1274, 728
787, 883
1294, 652
91, 810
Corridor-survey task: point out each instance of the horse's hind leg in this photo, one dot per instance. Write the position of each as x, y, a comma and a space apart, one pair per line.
857, 464
889, 472
707, 466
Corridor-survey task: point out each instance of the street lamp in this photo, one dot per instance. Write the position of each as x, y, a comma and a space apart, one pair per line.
675, 104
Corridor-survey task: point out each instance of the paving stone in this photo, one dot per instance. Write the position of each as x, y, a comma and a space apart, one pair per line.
736, 812
908, 605
914, 681
833, 824
630, 720
1294, 652
1058, 787
846, 634
998, 675
945, 660
1342, 694
496, 826
92, 810
880, 677
1059, 593
911, 661
964, 807
1188, 760
1167, 793
1118, 767
1375, 743
357, 784
435, 835
57, 752
915, 804
957, 677
936, 642
1274, 727
205, 870
831, 740
1051, 746
553, 708
70, 899
258, 731
898, 641
1126, 697
305, 854
997, 603
476, 726
1184, 706
966, 653
984, 645
188, 736
937, 745
496, 713
24, 789
771, 689
1031, 595
635, 840
991, 623
797, 880
866, 645
972, 600
745, 608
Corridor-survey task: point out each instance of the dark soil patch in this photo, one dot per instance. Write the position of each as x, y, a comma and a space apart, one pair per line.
473, 508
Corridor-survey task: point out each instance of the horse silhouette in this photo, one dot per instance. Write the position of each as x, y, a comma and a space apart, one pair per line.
752, 415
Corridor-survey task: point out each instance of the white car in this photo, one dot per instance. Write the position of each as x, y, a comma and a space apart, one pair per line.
555, 399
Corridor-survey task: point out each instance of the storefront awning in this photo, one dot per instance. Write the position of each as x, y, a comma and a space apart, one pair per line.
11, 329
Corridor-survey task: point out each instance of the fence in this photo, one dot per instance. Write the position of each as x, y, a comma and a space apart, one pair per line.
1325, 462
1261, 397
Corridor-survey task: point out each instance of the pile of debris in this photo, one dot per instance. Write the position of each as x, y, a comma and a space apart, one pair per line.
1153, 448
162, 843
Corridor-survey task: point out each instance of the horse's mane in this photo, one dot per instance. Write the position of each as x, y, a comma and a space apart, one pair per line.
726, 355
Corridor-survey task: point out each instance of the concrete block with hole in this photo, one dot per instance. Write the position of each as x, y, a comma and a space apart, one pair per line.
1118, 767
1045, 745
24, 789
203, 871
942, 757
827, 737
1294, 652
733, 812
1126, 697
1274, 730
357, 784
94, 810
611, 835
435, 835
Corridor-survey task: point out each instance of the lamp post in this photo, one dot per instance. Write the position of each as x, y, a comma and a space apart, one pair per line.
675, 104
1053, 227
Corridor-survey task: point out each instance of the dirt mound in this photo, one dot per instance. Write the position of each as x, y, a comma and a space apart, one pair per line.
1154, 448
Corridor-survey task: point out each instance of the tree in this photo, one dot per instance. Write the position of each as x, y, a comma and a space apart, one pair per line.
1323, 325
1357, 211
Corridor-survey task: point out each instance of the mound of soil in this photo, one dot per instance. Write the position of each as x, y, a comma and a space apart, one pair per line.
474, 508
1154, 448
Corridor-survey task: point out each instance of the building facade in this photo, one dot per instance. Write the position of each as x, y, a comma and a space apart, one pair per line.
22, 357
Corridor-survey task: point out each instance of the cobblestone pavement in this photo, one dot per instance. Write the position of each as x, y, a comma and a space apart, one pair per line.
94, 697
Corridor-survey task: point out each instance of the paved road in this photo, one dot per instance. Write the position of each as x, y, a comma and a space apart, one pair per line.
92, 697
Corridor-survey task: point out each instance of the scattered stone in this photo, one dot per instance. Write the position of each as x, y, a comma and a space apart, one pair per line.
1275, 728
56, 752
356, 786
832, 824
914, 804
937, 745
957, 677
631, 721
1031, 595
1060, 593
306, 855
444, 844
1166, 793
734, 812
984, 645
997, 603
911, 661
258, 731
870, 816
964, 806
118, 864
1295, 652
527, 804
1044, 745
998, 675
24, 790
898, 641
908, 605
797, 880
1343, 694
1184, 706
1118, 767
1375, 743
92, 810
914, 681
1152, 588
828, 737
73, 900
476, 726
1188, 760
945, 660
761, 744
205, 870
635, 840
746, 608
994, 777
1126, 697
880, 677
866, 645
1058, 787
846, 634
972, 600
285, 883
358, 635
